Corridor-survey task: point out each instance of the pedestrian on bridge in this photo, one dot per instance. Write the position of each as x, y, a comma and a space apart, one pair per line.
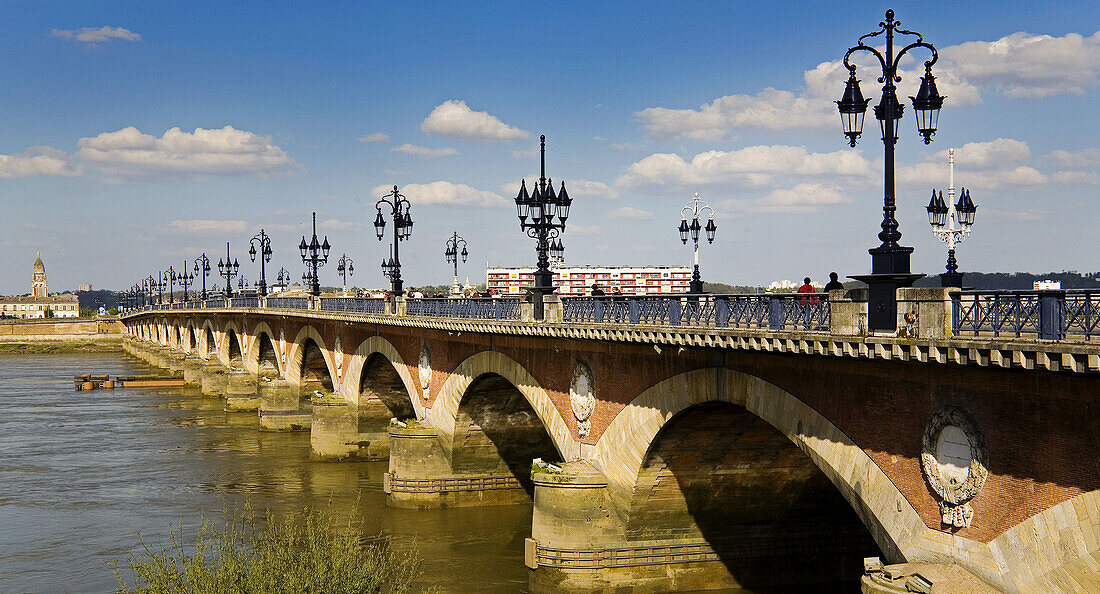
807, 288
833, 283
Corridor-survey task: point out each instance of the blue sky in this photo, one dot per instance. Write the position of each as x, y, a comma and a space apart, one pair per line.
134, 135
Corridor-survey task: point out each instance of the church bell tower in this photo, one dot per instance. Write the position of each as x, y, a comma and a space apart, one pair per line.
38, 284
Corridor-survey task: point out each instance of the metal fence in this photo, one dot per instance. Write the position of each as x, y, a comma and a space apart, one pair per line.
214, 302
501, 308
353, 304
245, 302
288, 302
800, 311
1049, 315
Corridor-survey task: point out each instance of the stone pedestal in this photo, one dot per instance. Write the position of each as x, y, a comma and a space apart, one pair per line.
215, 380
279, 407
848, 312
924, 312
192, 371
334, 434
175, 361
421, 477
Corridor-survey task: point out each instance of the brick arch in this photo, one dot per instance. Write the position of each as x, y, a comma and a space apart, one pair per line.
223, 348
252, 356
206, 349
293, 365
370, 346
893, 522
444, 412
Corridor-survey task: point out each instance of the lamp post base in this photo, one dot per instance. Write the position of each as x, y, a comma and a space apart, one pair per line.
951, 279
695, 286
889, 272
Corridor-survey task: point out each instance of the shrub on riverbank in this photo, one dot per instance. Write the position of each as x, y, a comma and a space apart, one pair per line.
302, 553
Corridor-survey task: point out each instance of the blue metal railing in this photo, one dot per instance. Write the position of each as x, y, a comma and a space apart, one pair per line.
799, 311
354, 304
214, 302
501, 308
245, 302
288, 302
1049, 315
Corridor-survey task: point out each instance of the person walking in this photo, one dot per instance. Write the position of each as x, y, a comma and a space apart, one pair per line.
833, 283
596, 290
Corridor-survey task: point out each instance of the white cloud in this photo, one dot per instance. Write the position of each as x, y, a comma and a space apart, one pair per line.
583, 187
991, 165
1018, 65
93, 35
443, 192
527, 153
226, 151
1076, 178
630, 213
376, 137
804, 197
625, 146
423, 151
1027, 216
1025, 65
995, 153
752, 166
207, 226
573, 229
1089, 157
339, 225
455, 119
35, 161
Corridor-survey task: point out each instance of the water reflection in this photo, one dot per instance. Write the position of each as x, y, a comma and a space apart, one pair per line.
82, 473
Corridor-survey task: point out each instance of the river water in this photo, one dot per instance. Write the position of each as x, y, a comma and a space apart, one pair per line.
83, 473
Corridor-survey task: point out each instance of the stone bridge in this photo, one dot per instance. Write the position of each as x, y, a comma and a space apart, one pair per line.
686, 457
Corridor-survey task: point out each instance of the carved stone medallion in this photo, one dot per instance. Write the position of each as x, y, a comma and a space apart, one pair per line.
425, 370
581, 397
953, 458
338, 358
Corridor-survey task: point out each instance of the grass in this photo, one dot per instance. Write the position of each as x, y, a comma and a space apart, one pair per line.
306, 552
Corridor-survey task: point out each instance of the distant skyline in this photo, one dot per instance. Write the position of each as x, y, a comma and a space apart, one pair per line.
135, 136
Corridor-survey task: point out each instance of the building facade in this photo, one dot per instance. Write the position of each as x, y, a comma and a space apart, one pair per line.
39, 304
575, 281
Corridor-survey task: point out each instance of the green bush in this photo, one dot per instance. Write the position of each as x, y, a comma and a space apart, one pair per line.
307, 552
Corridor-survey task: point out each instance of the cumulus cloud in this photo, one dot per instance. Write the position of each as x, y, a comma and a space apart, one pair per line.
1026, 216
227, 151
630, 213
339, 225
443, 192
995, 164
376, 137
455, 119
752, 166
574, 229
94, 35
803, 198
1025, 65
423, 152
528, 153
36, 161
1018, 65
584, 187
191, 226
1076, 178
1089, 157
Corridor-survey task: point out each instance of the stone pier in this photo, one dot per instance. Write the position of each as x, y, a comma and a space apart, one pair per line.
421, 475
215, 380
242, 392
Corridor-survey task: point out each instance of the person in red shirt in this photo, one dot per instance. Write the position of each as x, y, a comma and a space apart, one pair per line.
807, 288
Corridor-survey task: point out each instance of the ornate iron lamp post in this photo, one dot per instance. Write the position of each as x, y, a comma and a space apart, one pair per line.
951, 222
202, 268
158, 282
314, 256
541, 206
694, 208
170, 276
345, 267
242, 284
185, 279
399, 207
452, 254
264, 252
228, 269
889, 261
282, 280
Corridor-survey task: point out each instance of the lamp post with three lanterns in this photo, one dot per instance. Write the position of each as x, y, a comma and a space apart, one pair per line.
345, 267
399, 207
693, 209
951, 222
264, 242
542, 205
452, 254
202, 268
890, 260
228, 269
314, 256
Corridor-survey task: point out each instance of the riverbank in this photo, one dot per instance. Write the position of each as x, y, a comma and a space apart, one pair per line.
8, 347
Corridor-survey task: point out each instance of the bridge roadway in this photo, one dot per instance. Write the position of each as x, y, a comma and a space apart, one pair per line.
669, 453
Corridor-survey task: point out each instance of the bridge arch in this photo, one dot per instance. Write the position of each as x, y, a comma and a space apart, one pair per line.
622, 449
380, 347
444, 412
231, 351
297, 356
209, 341
262, 356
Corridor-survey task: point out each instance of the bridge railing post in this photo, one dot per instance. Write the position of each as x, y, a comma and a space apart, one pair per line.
721, 312
634, 311
674, 311
597, 311
1052, 310
776, 316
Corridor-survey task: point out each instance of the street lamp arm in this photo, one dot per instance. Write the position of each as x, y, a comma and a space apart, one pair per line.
865, 48
928, 46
